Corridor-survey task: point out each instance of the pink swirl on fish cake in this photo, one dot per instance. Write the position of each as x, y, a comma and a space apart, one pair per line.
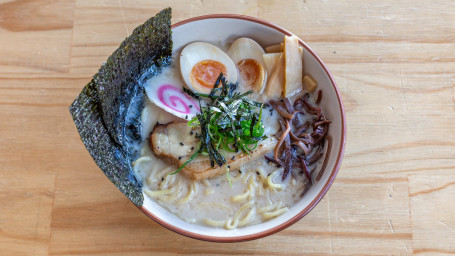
175, 99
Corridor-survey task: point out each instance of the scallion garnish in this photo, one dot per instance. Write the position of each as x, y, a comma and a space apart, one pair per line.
228, 120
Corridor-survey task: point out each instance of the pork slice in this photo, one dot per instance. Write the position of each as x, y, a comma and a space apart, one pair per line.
176, 142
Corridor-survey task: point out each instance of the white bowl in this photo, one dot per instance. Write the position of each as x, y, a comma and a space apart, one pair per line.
226, 28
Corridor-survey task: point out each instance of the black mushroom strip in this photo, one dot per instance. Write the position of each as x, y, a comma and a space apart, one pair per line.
300, 143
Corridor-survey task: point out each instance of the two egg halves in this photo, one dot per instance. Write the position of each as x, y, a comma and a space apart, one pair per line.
201, 63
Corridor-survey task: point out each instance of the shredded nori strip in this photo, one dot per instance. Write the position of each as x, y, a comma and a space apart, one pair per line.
106, 113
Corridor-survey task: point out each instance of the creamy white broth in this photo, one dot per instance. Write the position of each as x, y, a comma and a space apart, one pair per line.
256, 193
250, 195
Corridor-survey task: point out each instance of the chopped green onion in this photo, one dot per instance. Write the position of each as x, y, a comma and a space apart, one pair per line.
227, 120
187, 161
193, 122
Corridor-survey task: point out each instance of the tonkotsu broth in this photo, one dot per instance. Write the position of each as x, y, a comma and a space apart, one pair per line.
256, 193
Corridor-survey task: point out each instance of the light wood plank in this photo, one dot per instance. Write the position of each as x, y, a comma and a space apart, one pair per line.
394, 64
25, 215
432, 213
35, 36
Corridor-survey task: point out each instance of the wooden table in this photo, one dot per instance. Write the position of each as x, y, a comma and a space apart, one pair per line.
394, 62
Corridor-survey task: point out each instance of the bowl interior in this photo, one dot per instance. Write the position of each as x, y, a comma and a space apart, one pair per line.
227, 28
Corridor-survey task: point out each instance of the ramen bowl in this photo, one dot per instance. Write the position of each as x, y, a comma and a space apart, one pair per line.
221, 28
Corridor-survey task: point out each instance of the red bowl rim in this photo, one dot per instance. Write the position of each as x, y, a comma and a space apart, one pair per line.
321, 193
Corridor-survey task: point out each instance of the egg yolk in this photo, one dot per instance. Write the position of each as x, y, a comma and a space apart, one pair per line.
249, 70
206, 72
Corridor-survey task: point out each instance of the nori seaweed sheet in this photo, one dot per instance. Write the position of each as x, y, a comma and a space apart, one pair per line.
107, 111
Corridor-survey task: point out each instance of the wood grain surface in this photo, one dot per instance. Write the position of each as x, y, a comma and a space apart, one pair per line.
394, 62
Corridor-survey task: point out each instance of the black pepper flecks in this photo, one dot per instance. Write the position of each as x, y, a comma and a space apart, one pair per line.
186, 117
180, 158
233, 158
181, 144
192, 148
162, 178
229, 167
191, 133
258, 173
190, 106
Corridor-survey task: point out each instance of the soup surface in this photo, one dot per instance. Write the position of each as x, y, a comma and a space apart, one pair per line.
252, 194
259, 188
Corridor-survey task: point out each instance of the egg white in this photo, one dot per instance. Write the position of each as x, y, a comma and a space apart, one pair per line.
196, 52
245, 48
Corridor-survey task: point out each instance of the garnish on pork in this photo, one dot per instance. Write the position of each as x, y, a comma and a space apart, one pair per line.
228, 121
177, 144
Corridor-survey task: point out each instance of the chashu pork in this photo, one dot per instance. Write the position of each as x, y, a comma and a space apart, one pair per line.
175, 142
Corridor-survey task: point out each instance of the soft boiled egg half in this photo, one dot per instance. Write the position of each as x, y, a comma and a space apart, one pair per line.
247, 54
201, 63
